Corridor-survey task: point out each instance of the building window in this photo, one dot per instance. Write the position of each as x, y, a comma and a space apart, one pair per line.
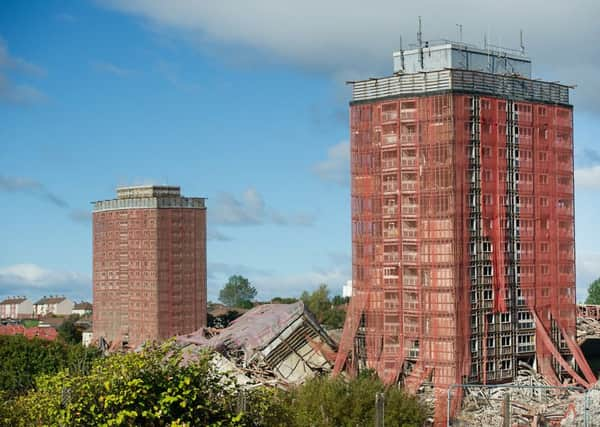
487, 270
486, 246
505, 341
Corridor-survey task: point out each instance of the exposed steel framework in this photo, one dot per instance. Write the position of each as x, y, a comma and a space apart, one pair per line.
463, 241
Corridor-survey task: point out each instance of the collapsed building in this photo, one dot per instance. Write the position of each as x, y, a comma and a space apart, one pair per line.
462, 223
280, 344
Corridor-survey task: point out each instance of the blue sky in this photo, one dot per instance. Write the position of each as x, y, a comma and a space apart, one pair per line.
240, 102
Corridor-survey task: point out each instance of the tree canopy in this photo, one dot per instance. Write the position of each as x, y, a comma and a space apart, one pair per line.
165, 386
22, 360
593, 292
323, 402
237, 292
153, 387
325, 310
68, 330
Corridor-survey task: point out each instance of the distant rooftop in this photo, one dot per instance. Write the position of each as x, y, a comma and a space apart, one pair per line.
13, 300
443, 54
50, 300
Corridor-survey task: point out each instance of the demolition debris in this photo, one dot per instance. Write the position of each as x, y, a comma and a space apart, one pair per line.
275, 344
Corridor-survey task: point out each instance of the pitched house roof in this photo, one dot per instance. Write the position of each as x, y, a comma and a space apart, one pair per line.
83, 305
13, 300
50, 300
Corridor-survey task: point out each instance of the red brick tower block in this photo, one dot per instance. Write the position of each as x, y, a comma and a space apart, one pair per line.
149, 265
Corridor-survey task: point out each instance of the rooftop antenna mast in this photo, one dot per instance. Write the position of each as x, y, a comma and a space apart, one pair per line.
522, 44
401, 55
420, 43
459, 29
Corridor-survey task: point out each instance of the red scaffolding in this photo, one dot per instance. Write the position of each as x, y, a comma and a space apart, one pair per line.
463, 260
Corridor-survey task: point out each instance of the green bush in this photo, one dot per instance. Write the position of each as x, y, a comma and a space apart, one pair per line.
150, 388
158, 386
22, 359
324, 402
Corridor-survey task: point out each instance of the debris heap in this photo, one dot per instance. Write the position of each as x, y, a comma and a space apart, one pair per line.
277, 344
529, 400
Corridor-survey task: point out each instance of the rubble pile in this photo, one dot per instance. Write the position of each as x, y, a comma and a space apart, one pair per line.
587, 328
272, 344
520, 401
587, 409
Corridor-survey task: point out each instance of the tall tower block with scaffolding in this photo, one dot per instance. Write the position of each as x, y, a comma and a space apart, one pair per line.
462, 222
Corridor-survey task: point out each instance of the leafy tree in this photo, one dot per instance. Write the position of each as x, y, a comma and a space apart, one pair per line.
22, 360
322, 402
339, 300
223, 320
68, 331
283, 300
237, 292
326, 312
593, 292
154, 387
318, 301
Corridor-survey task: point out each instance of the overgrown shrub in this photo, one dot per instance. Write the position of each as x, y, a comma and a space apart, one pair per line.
149, 388
23, 359
324, 402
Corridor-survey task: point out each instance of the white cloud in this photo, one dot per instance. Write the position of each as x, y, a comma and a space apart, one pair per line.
251, 209
26, 185
355, 38
336, 167
110, 68
33, 281
18, 93
588, 178
216, 235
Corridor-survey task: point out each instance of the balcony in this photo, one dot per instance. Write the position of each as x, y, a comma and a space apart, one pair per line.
408, 139
409, 162
390, 187
391, 257
410, 234
390, 210
408, 115
409, 257
409, 186
391, 233
389, 116
390, 163
409, 210
410, 281
389, 139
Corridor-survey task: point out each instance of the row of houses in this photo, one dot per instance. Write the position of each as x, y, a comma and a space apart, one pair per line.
20, 307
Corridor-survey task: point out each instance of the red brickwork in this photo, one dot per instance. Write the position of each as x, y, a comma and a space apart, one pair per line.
149, 273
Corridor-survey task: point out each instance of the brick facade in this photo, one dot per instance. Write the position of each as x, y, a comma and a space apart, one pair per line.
149, 269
